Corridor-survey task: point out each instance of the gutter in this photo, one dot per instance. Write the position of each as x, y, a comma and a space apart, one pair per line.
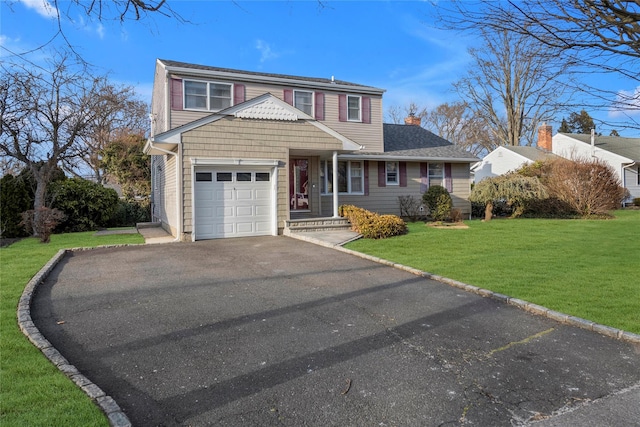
386, 157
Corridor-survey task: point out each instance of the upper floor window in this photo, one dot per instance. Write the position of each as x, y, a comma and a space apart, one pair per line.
353, 108
392, 173
303, 101
211, 96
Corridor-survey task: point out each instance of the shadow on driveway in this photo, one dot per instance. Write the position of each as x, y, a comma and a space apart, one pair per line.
275, 331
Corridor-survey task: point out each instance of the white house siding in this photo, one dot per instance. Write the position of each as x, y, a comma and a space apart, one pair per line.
164, 192
368, 134
498, 162
251, 139
384, 200
631, 181
570, 148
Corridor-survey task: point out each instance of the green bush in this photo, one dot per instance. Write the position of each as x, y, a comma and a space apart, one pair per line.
372, 225
88, 205
15, 198
636, 201
128, 214
439, 202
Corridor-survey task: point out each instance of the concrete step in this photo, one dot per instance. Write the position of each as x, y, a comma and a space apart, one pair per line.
317, 224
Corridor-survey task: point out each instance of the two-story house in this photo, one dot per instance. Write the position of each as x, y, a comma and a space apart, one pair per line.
237, 153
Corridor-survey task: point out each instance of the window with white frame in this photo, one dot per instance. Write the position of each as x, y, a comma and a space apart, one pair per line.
354, 108
303, 101
392, 173
436, 174
350, 177
211, 96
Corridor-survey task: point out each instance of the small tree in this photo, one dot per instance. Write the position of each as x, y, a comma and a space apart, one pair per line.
515, 189
43, 221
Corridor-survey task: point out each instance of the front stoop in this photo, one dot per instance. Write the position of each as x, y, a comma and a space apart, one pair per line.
316, 224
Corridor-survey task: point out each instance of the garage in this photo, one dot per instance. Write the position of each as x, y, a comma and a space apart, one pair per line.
233, 202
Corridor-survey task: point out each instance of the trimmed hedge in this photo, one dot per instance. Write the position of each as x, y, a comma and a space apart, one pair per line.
372, 225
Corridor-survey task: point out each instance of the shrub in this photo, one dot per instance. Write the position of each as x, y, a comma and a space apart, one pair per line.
15, 198
636, 201
456, 215
42, 221
88, 205
372, 225
409, 207
128, 214
431, 196
443, 207
514, 189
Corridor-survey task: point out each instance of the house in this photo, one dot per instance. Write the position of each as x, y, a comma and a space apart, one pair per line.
622, 154
239, 153
506, 159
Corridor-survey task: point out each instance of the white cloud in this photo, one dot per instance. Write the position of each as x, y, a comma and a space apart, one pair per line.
627, 104
266, 53
42, 7
100, 31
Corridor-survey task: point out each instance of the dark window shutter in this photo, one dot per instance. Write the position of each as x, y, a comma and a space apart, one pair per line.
319, 107
424, 178
288, 96
403, 174
448, 181
366, 177
366, 109
238, 94
382, 174
342, 108
176, 94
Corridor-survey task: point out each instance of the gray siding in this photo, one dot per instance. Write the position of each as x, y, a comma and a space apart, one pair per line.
164, 192
631, 181
252, 139
367, 134
384, 200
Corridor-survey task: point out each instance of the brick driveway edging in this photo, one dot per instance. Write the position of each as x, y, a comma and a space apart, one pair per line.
117, 418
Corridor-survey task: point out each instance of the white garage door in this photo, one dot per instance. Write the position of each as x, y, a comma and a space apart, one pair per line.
232, 203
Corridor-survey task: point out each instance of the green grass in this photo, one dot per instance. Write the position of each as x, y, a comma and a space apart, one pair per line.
32, 390
586, 268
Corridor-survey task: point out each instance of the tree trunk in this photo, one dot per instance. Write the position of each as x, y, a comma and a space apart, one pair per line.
488, 211
42, 174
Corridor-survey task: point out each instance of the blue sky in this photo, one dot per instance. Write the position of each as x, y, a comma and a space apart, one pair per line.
391, 45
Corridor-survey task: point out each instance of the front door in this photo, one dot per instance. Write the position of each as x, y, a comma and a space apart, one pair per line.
298, 184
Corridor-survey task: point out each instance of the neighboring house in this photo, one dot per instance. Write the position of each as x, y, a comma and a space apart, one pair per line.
506, 159
237, 153
622, 154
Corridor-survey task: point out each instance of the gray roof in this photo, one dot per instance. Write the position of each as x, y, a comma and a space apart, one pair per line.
314, 80
626, 147
532, 153
416, 141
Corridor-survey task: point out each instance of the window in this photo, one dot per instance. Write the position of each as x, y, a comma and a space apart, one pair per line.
203, 176
206, 95
262, 176
436, 174
303, 101
353, 108
243, 176
392, 173
350, 177
223, 176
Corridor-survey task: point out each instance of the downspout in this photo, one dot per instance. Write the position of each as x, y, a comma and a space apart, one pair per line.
178, 157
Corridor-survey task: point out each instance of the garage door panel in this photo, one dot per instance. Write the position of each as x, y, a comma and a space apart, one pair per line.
263, 211
244, 211
224, 194
224, 211
262, 194
244, 194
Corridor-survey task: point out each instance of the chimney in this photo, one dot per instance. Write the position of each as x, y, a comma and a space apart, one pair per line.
412, 120
544, 137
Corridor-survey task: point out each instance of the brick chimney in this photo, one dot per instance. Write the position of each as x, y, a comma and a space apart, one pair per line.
412, 120
544, 137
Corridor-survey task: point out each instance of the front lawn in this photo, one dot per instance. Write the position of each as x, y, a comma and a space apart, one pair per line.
586, 268
32, 390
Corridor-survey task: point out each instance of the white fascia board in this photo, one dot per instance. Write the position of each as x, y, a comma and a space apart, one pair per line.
278, 80
234, 162
383, 157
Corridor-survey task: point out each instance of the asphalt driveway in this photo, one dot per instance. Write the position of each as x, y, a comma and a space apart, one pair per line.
275, 331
